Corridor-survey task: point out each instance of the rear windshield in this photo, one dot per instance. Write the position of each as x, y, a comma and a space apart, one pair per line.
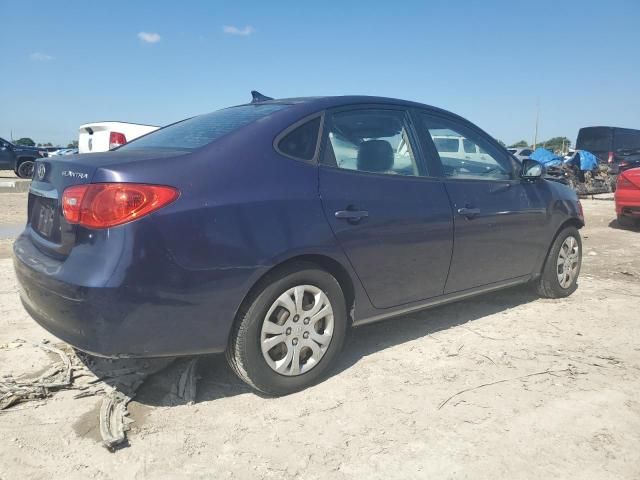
595, 139
199, 131
626, 140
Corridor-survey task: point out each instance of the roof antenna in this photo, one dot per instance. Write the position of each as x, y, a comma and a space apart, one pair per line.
257, 97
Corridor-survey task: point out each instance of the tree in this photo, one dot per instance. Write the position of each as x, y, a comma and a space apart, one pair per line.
520, 144
501, 143
557, 144
73, 144
26, 141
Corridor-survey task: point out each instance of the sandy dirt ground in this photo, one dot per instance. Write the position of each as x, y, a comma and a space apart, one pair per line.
505, 385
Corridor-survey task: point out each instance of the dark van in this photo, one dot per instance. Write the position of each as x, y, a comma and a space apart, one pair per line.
619, 147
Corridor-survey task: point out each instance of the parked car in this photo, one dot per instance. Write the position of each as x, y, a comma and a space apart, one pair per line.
104, 136
19, 158
64, 151
618, 147
455, 146
265, 230
627, 198
520, 153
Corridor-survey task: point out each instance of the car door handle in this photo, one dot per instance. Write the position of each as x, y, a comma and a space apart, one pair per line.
469, 212
351, 215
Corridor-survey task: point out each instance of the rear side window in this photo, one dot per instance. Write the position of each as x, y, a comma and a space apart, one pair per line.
371, 140
301, 142
201, 130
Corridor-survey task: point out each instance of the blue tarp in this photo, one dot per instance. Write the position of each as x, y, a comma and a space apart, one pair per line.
588, 161
545, 157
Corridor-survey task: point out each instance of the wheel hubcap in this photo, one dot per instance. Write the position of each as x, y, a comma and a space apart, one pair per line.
568, 262
291, 347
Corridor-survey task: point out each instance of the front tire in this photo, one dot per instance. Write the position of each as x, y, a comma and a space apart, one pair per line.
559, 276
290, 331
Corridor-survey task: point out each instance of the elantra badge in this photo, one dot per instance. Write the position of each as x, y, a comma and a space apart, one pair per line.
71, 173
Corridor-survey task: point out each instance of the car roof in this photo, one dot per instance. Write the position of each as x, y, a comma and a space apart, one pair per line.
322, 102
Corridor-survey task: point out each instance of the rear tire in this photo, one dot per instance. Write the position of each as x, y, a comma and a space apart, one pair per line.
25, 169
274, 328
559, 276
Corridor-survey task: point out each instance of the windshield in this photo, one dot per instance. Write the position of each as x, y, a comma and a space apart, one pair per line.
201, 130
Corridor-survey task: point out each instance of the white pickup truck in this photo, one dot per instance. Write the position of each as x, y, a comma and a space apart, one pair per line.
103, 136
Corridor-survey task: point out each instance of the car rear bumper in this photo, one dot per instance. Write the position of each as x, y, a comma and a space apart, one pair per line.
120, 321
627, 204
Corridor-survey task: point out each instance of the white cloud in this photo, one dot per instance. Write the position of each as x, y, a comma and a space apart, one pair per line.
40, 57
148, 37
233, 30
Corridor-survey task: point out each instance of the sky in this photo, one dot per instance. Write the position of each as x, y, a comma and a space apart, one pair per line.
66, 63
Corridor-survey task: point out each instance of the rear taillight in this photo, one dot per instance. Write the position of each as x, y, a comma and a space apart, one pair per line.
610, 158
116, 139
104, 205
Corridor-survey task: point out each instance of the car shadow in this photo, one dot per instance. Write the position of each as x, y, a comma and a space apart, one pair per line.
615, 225
161, 383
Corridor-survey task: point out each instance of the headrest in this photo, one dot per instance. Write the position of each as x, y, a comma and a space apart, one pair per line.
375, 156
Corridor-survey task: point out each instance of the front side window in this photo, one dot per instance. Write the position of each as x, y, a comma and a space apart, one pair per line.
375, 141
476, 160
201, 130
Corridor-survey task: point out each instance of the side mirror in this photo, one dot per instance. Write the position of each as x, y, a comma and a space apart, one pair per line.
531, 169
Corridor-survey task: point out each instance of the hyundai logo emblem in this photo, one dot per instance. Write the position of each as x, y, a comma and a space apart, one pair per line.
42, 170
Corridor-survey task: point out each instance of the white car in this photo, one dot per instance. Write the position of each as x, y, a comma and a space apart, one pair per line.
455, 146
105, 136
520, 153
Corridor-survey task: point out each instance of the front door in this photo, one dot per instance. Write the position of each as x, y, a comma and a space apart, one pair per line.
6, 155
500, 222
393, 222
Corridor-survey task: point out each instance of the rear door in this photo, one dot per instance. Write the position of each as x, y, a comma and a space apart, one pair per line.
393, 221
500, 222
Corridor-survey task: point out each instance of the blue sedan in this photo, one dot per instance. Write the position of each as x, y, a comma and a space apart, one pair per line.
265, 230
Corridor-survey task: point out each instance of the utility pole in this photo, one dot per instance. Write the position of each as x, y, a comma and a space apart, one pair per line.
535, 136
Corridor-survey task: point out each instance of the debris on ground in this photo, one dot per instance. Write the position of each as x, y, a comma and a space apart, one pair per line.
58, 376
116, 380
187, 382
114, 419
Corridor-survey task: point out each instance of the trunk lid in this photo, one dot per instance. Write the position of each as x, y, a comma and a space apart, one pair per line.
633, 175
46, 224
